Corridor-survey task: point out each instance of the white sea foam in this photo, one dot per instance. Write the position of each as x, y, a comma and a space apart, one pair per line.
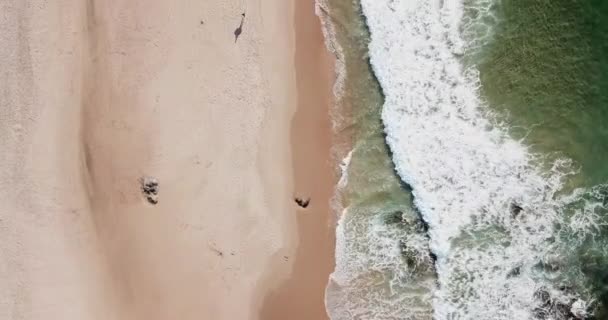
344, 169
371, 279
490, 208
367, 251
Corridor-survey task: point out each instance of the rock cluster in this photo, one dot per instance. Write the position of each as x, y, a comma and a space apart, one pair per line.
149, 188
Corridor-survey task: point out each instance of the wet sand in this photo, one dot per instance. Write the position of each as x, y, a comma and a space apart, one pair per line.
301, 297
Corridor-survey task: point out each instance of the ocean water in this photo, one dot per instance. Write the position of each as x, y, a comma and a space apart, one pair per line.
476, 162
382, 247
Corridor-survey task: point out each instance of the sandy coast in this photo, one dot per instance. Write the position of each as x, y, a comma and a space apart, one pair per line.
97, 94
302, 296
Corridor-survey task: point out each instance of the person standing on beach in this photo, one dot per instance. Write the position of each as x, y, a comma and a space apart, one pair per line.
239, 30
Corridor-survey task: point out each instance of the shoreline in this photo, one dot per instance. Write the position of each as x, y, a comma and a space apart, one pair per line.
302, 295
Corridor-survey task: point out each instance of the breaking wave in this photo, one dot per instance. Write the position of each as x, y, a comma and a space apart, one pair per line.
500, 222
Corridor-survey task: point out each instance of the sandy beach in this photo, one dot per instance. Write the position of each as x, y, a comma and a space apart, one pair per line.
99, 94
302, 296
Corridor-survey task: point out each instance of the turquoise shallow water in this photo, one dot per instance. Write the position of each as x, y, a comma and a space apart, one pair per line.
543, 76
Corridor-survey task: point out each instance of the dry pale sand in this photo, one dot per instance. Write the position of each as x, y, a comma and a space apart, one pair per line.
96, 94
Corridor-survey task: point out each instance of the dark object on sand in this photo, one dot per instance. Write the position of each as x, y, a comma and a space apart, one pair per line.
218, 252
149, 187
239, 30
302, 203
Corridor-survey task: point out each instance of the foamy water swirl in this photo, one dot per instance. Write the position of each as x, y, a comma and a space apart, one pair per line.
490, 207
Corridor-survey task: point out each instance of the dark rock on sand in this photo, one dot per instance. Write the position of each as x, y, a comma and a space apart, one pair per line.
149, 188
302, 203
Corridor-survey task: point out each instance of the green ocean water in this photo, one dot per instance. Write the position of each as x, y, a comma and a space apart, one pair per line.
544, 71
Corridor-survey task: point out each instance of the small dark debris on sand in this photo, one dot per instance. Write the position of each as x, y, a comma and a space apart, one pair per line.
302, 203
218, 252
214, 247
239, 30
149, 187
